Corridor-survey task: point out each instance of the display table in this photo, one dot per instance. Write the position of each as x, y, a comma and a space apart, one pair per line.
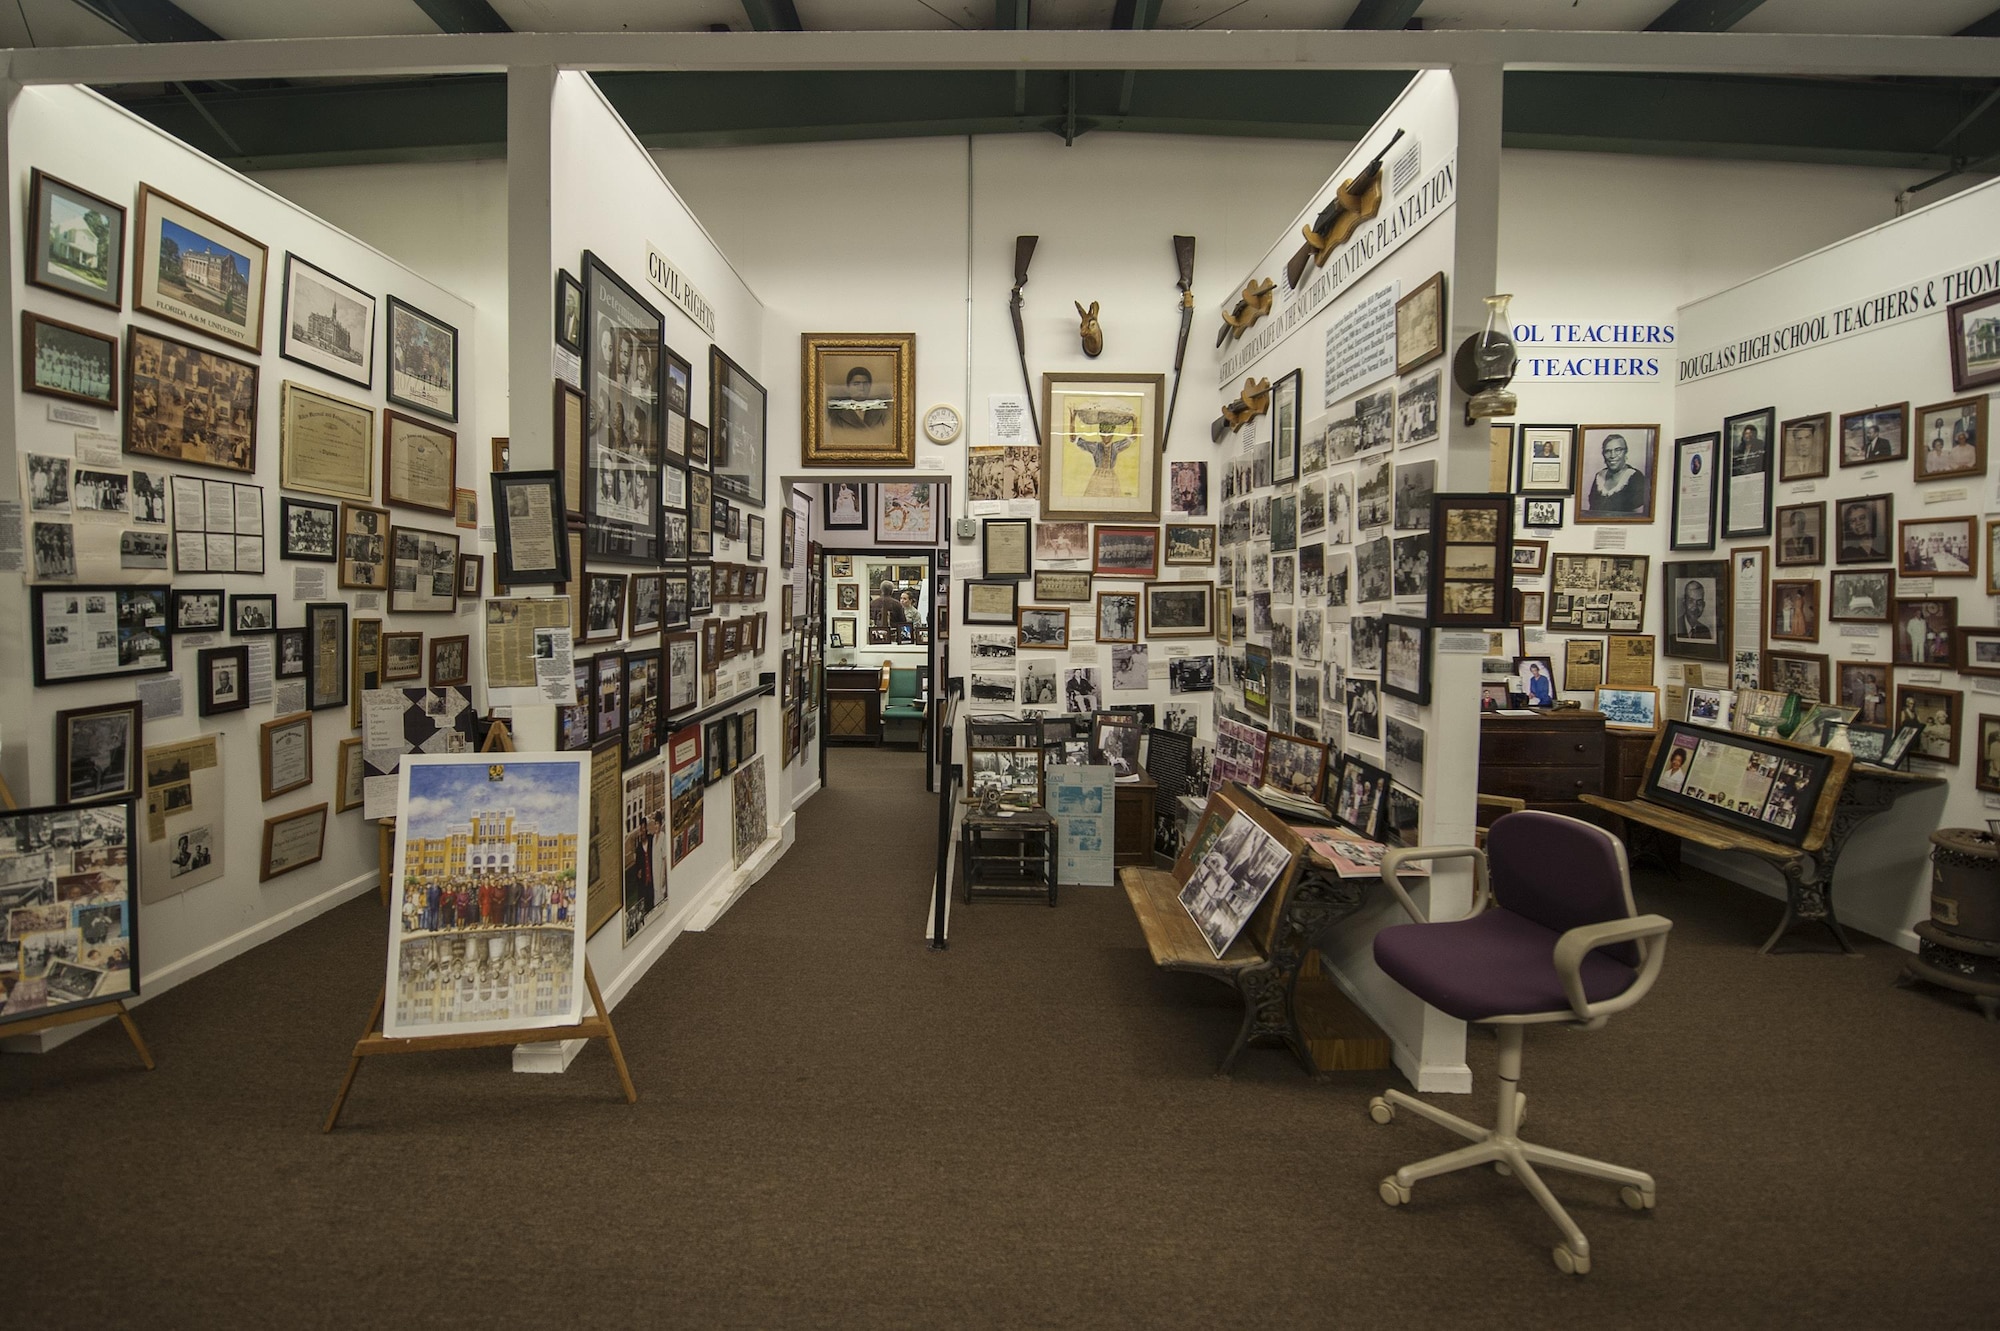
1009, 854
1133, 842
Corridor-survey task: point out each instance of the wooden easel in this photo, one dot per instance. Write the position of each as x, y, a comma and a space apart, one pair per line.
595, 1026
110, 1007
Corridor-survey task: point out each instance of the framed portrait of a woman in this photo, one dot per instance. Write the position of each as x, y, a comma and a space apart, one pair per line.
1614, 476
1102, 435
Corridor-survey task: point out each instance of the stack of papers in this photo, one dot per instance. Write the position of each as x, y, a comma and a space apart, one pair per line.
1350, 854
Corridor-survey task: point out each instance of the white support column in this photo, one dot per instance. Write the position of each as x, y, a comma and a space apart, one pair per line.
16, 664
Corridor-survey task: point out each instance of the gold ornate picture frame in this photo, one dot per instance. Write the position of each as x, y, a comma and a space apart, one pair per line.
859, 403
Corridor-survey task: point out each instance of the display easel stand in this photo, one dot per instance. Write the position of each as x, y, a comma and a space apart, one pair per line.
596, 1026
110, 1007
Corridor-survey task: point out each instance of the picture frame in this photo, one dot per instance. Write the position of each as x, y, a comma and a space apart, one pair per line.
156, 421
63, 360
1472, 560
1950, 439
681, 660
1805, 447
291, 842
76, 242
1295, 765
419, 464
1118, 616
1114, 742
646, 609
677, 378
402, 657
198, 272
223, 680
1924, 631
607, 693
859, 399
1545, 461
845, 506
326, 444
698, 436
1042, 628
572, 445
197, 610
531, 528
1545, 511
253, 614
1180, 610
1714, 708
1615, 476
1973, 327
1189, 544
1801, 535
1420, 324
603, 606
753, 537
569, 312
1285, 428
423, 571
1794, 610
1530, 608
1360, 795
327, 655
465, 509
1583, 665
93, 956
1124, 552
1629, 707
1877, 434
1406, 657
1979, 653
1860, 595
348, 775
908, 512
1937, 547
1530, 558
422, 352
1803, 673
1014, 772
1006, 548
1704, 770
1936, 714
1866, 686
292, 661
308, 531
1746, 495
1102, 456
285, 754
623, 450
471, 572
738, 414
1596, 593
1864, 529
100, 752
326, 324
645, 690
1986, 769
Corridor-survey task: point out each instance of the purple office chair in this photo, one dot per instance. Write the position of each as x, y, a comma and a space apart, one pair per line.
1562, 942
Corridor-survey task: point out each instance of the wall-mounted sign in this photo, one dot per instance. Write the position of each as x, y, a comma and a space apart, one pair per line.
1592, 349
672, 283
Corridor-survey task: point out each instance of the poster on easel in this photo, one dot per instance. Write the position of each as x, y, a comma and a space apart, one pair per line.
1084, 801
486, 926
69, 926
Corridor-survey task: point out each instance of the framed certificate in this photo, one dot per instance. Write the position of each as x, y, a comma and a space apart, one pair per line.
419, 464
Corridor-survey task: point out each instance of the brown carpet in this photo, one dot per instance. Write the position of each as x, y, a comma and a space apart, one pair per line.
838, 1127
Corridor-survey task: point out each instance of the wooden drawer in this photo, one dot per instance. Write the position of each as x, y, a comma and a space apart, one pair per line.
1569, 747
1542, 785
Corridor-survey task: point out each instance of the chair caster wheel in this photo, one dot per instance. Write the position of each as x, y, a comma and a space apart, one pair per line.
1569, 1263
1392, 1192
1503, 1169
1634, 1198
1381, 1110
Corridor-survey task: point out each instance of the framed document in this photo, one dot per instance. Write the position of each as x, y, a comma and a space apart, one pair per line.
419, 464
529, 525
364, 547
1005, 549
1694, 492
570, 443
285, 754
292, 841
347, 780
423, 577
99, 632
326, 648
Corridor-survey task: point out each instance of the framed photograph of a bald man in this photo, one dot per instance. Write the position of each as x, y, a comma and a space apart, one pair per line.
1698, 609
860, 399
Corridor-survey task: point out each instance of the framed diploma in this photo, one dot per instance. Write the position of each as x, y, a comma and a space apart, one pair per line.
423, 574
529, 525
347, 783
325, 444
292, 841
285, 754
419, 464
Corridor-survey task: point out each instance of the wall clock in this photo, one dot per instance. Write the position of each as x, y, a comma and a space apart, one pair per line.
942, 424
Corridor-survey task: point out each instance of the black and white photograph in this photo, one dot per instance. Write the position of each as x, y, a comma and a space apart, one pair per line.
196, 611
1114, 743
1804, 447
1801, 534
1190, 543
1364, 644
1375, 415
1860, 595
1372, 570
1417, 410
1415, 483
1864, 529
1403, 746
1118, 616
992, 650
1541, 512
1420, 329
253, 614
1412, 563
1879, 434
1241, 866
1038, 684
603, 606
142, 550
307, 530
64, 361
1598, 593
423, 361
98, 752
1747, 454
1128, 668
1080, 690
1362, 700
1615, 475
993, 688
624, 450
328, 324
55, 551
48, 484
224, 679
1697, 612
1951, 439
291, 660
1180, 609
100, 494
569, 317
1015, 775
1406, 664
1372, 497
1190, 674
1295, 765
1936, 548
1043, 628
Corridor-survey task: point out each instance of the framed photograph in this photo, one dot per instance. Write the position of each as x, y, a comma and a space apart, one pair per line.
1359, 795
163, 419
1935, 714
1714, 708
1936, 547
1006, 548
1546, 458
470, 570
423, 571
419, 464
1863, 529
253, 614
1804, 446
423, 361
195, 271
1053, 585
327, 324
196, 609
1190, 544
1102, 460
1114, 742
1803, 673
1979, 652
1879, 434
1764, 786
72, 904
1926, 631
292, 841
1861, 595
623, 450
285, 754
308, 531
1042, 628
1865, 686
1598, 593
644, 703
1015, 773
1474, 560
1794, 610
1974, 328
1180, 609
402, 657
1986, 773
1951, 439
465, 509
64, 361
531, 528
293, 661
909, 513
1296, 766
1694, 492
603, 607
860, 397
644, 614
1118, 616
1531, 558
1125, 552
1285, 429
1406, 657
1540, 512
845, 506
98, 752
223, 679
738, 417
607, 693
1629, 708
1746, 495
569, 312
76, 242
753, 537
1615, 480
1420, 325
1530, 608
1801, 534
698, 450
348, 774
326, 653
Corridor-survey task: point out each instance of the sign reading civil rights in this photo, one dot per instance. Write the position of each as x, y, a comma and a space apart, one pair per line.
672, 283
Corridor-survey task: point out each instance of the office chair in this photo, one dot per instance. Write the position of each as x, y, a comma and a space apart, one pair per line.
1561, 942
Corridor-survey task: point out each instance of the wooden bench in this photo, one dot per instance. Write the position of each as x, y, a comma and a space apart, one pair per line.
1852, 795
1264, 962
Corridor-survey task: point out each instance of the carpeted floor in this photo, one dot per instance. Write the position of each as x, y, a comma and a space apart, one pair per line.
838, 1127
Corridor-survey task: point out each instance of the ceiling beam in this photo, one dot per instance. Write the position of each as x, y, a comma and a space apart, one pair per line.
773, 15
1383, 14
463, 15
1703, 15
1132, 15
151, 20
1982, 27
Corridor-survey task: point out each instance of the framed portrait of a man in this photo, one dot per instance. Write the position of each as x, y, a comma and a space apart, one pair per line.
1697, 609
1101, 461
1615, 481
1803, 447
860, 399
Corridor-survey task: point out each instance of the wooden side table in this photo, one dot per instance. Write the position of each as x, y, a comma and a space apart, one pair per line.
1134, 843
1009, 854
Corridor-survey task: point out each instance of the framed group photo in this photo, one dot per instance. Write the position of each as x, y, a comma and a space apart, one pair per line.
623, 454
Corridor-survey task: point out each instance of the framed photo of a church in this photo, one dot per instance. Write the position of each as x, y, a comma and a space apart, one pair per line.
327, 323
860, 399
1102, 456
